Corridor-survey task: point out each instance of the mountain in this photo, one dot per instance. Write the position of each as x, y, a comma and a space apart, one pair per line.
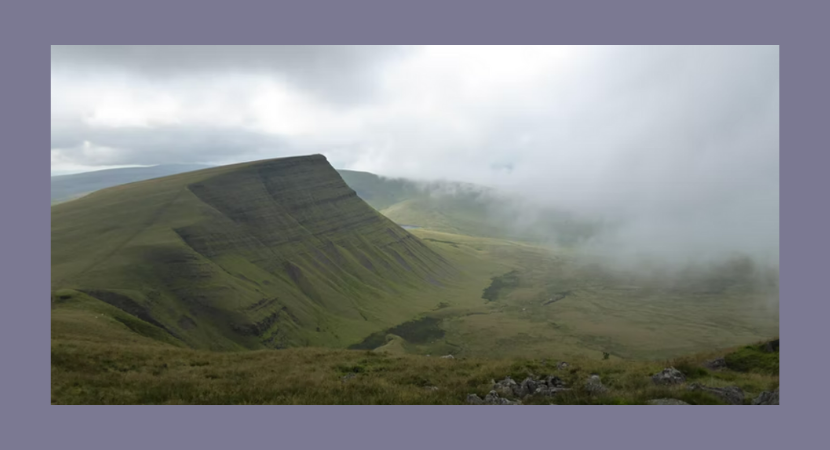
67, 187
446, 206
268, 254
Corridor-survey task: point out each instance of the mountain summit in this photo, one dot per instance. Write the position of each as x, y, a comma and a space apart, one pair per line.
267, 254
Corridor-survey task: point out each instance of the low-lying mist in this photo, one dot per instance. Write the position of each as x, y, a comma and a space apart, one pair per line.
674, 250
631, 156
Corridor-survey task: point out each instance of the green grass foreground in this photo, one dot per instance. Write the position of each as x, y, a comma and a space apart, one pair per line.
86, 372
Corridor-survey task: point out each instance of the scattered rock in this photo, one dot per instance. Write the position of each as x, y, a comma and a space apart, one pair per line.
767, 398
474, 399
731, 394
528, 387
669, 375
715, 364
507, 387
493, 399
562, 365
546, 386
547, 391
667, 401
447, 357
554, 382
594, 385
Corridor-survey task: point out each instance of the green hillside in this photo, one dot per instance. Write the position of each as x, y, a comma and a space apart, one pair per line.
462, 208
268, 254
380, 192
132, 371
450, 207
286, 270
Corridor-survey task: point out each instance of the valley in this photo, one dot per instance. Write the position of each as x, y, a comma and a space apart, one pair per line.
257, 272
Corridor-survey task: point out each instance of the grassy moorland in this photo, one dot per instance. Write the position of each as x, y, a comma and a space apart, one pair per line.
102, 354
269, 282
551, 303
259, 255
88, 372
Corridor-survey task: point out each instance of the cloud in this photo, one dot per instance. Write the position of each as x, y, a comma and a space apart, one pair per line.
339, 74
677, 146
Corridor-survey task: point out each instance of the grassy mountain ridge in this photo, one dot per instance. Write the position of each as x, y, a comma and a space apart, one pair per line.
267, 254
447, 206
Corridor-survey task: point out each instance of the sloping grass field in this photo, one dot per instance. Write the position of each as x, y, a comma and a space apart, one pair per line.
273, 282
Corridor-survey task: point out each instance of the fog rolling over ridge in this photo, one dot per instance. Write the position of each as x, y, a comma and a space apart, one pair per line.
670, 153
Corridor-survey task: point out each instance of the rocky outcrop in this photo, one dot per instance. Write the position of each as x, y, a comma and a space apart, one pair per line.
668, 376
528, 387
509, 388
474, 399
554, 382
766, 398
493, 399
731, 394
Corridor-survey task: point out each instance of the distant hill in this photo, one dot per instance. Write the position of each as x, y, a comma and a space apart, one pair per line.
468, 209
67, 187
447, 206
268, 254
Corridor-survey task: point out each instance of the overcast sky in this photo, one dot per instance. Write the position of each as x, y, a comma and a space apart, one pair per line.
682, 142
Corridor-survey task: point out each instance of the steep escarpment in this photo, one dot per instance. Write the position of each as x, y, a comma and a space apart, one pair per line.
270, 254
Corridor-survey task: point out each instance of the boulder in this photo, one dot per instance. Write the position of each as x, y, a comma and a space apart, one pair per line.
546, 391
669, 375
594, 385
431, 388
767, 398
667, 401
715, 364
554, 382
474, 399
527, 387
507, 388
544, 386
731, 394
562, 365
447, 357
493, 399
